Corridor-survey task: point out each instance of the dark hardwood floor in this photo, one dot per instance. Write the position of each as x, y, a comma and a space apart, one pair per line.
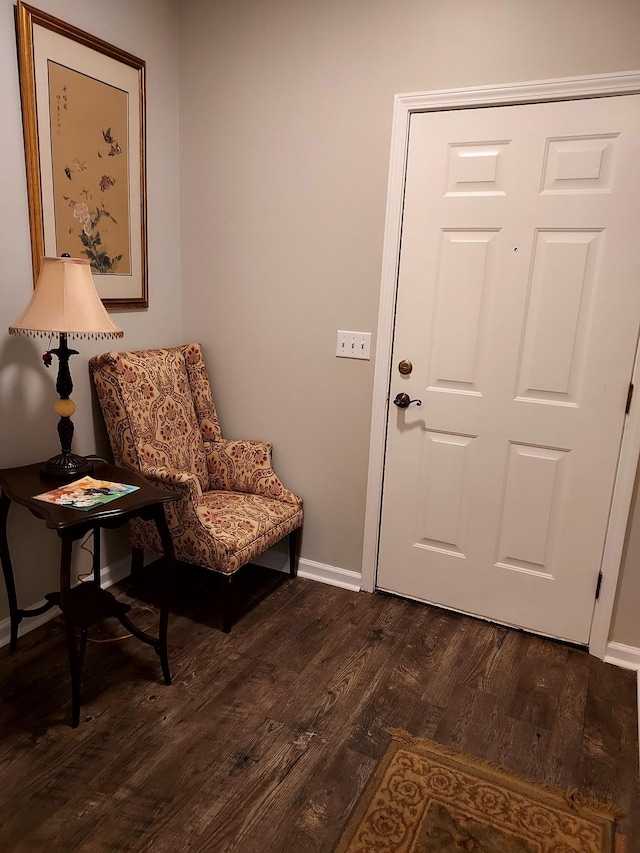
268, 734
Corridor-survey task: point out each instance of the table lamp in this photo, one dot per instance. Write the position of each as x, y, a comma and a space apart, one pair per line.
65, 303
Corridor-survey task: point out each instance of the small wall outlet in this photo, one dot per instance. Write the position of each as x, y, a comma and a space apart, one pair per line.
353, 345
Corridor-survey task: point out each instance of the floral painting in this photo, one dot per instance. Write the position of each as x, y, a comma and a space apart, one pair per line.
90, 169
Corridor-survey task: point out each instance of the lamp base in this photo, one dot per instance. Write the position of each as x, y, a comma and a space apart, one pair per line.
66, 466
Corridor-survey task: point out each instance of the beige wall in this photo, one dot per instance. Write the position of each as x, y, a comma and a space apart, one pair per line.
285, 121
626, 614
145, 28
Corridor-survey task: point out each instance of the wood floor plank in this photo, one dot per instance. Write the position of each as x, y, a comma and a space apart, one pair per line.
399, 696
268, 735
238, 797
609, 754
470, 712
298, 632
541, 675
340, 677
566, 738
323, 807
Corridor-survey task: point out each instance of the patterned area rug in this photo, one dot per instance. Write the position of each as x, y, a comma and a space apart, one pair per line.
425, 798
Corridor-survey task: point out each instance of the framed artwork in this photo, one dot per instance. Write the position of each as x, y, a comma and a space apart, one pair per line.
83, 111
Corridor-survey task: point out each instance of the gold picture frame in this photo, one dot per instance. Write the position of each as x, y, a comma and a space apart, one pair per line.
83, 112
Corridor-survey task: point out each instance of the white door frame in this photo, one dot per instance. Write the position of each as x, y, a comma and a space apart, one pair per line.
571, 88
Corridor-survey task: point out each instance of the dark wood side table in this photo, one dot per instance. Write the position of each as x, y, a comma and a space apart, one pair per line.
87, 603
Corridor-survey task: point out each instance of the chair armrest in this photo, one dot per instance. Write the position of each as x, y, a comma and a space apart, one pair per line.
245, 466
183, 482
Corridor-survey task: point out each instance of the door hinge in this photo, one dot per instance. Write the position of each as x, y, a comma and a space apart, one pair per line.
598, 585
629, 396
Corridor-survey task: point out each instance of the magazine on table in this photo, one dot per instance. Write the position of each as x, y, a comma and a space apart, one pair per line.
86, 493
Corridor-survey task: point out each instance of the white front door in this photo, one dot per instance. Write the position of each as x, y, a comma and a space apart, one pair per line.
519, 307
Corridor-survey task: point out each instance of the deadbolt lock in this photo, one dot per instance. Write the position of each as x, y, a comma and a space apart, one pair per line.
405, 367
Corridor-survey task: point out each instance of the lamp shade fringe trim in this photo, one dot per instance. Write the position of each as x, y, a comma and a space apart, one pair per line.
38, 333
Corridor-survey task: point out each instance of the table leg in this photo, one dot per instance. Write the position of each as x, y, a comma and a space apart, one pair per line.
72, 647
96, 555
168, 569
7, 569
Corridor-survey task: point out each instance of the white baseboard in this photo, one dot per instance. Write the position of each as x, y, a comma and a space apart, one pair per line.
108, 576
627, 657
331, 575
320, 572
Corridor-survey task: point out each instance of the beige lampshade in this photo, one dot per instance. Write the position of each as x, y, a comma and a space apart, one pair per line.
65, 301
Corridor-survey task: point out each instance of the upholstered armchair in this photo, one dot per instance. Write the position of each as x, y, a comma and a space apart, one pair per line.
161, 421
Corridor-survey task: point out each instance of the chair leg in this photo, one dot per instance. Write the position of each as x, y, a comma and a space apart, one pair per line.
137, 564
137, 559
227, 602
294, 551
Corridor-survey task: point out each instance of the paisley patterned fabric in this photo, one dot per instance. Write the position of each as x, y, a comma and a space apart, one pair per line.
161, 420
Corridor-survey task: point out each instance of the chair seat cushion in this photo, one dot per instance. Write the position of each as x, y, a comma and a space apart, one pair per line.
241, 526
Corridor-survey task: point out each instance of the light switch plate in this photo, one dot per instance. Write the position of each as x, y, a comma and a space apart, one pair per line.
353, 345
